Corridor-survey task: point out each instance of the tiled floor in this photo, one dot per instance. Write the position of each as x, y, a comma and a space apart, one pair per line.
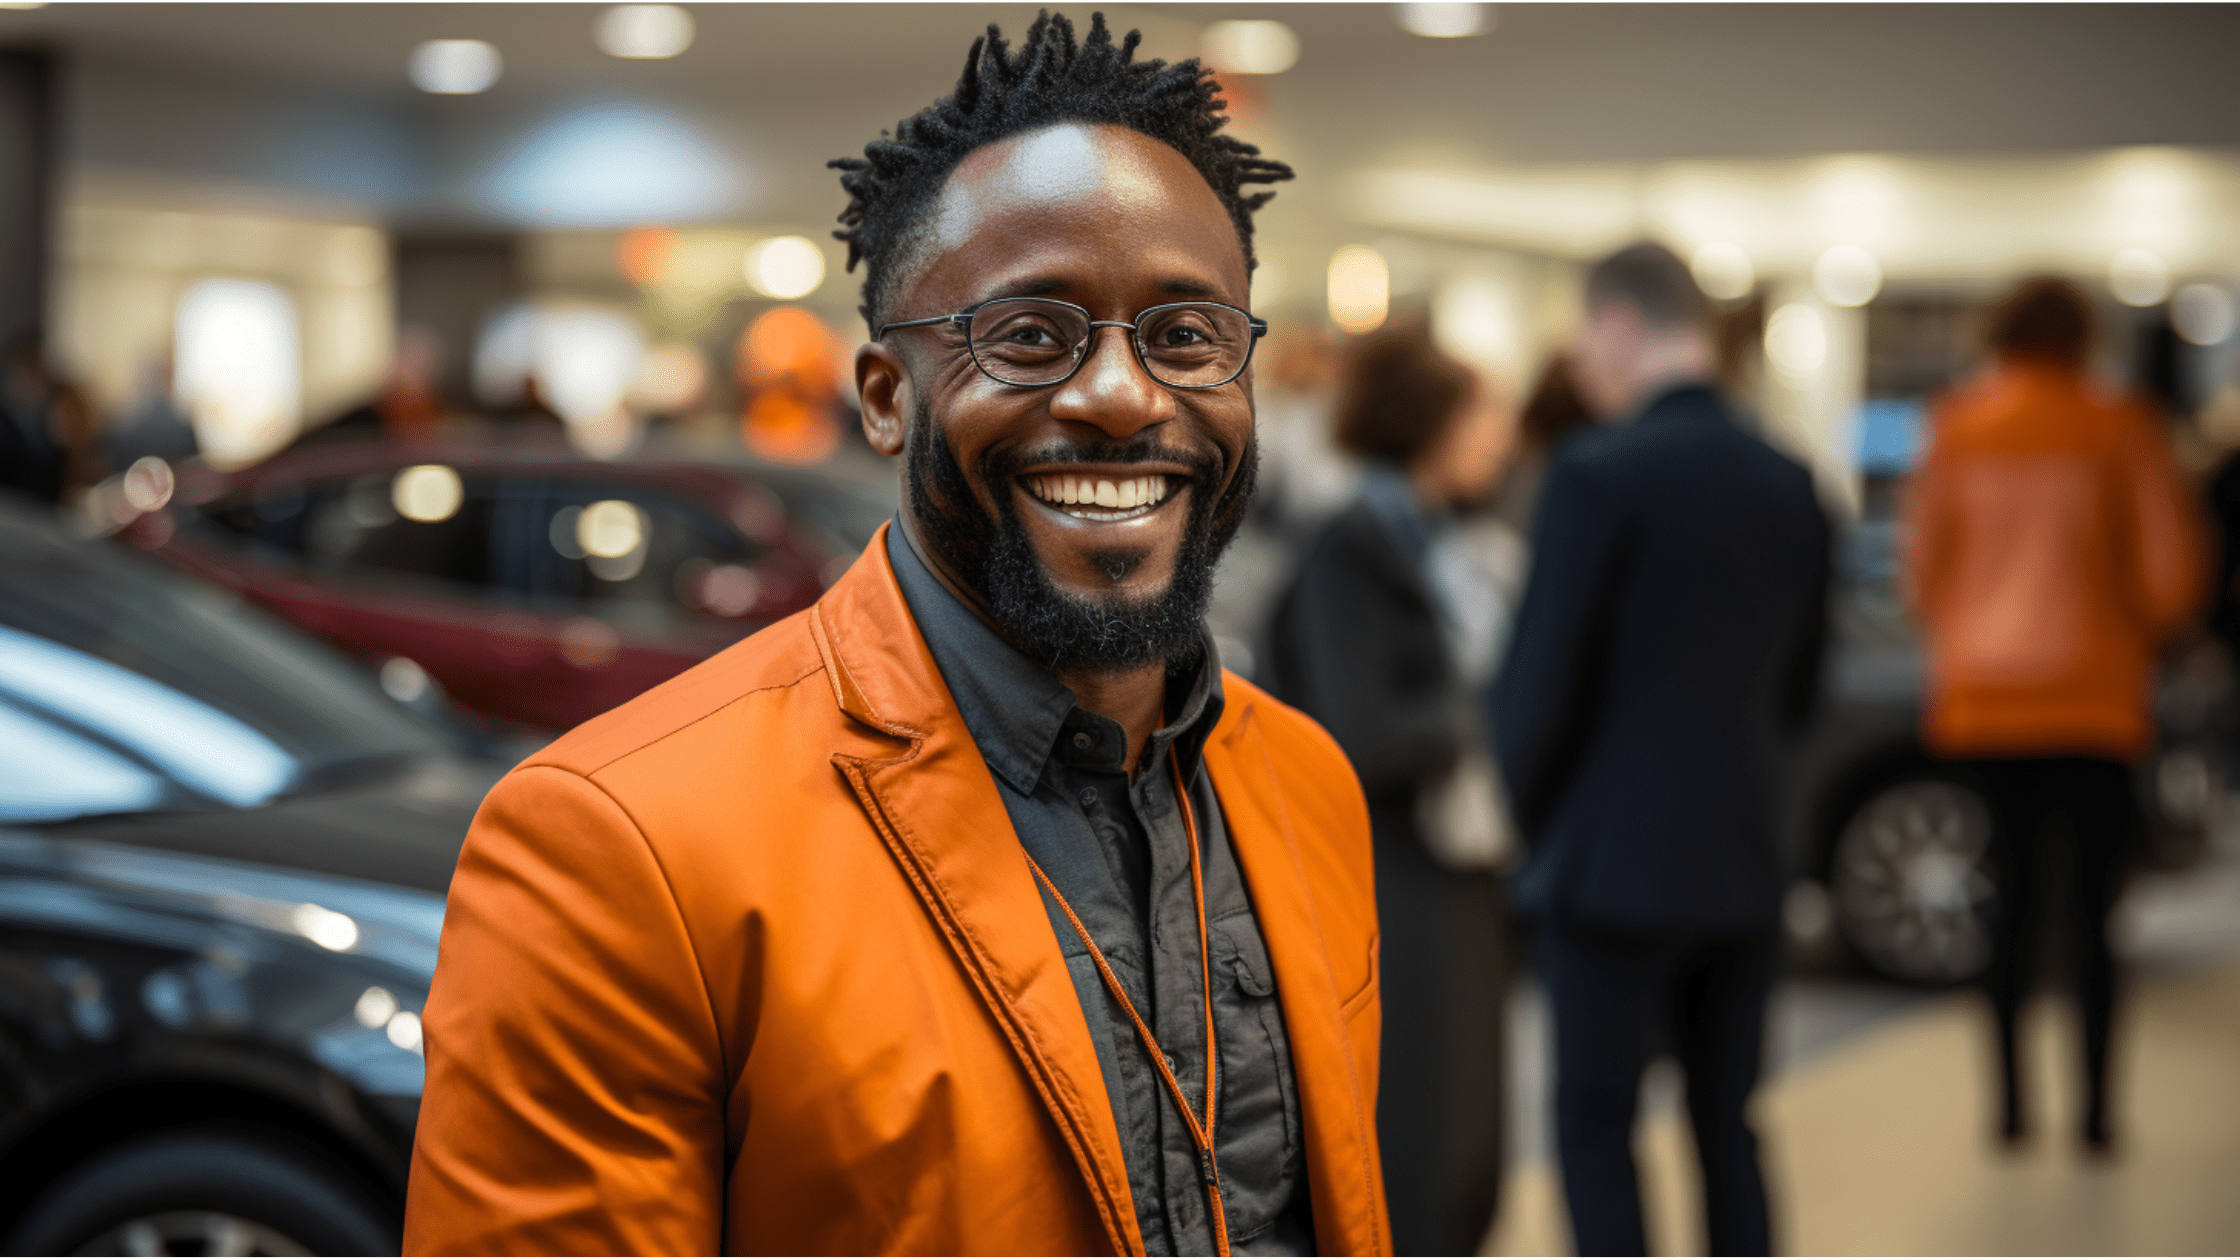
1876, 1132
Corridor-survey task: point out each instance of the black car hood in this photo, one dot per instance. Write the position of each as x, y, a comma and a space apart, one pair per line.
403, 828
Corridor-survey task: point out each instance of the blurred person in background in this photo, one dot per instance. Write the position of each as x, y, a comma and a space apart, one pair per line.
1553, 411
1669, 642
153, 423
1370, 641
50, 442
2053, 548
975, 909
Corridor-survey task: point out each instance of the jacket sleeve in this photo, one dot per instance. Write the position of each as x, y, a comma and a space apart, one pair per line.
1544, 696
574, 1096
2169, 556
1337, 662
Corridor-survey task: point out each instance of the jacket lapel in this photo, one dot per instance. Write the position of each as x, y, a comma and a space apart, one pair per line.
929, 793
1341, 1167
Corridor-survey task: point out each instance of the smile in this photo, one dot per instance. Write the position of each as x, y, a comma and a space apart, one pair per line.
1099, 499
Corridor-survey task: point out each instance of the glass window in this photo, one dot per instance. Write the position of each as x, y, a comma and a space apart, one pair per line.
355, 528
113, 671
641, 559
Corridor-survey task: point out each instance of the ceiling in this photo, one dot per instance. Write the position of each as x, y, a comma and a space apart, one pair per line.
309, 101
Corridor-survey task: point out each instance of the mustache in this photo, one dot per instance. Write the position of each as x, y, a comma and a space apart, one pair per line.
996, 467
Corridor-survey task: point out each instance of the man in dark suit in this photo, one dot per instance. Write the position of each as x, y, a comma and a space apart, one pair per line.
1669, 641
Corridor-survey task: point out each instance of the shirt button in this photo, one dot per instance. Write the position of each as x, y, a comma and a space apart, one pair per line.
1082, 741
1088, 798
1172, 1068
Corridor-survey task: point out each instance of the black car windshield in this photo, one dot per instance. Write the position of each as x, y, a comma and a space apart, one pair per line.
125, 687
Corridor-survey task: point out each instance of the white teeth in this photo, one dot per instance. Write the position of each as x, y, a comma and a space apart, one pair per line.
1125, 495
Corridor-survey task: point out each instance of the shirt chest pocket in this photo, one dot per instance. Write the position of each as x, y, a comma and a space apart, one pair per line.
1258, 1128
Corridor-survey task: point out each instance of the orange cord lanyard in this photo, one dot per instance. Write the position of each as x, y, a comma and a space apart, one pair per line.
1208, 1170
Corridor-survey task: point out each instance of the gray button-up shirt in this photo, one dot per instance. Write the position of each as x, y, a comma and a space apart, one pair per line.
1118, 851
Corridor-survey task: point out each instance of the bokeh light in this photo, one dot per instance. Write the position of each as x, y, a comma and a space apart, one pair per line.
1847, 275
1797, 342
610, 529
1435, 20
2202, 314
427, 492
643, 255
1255, 46
1723, 271
1360, 288
644, 32
788, 345
454, 67
785, 267
2138, 277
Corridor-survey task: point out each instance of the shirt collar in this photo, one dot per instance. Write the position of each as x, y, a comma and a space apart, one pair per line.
1016, 710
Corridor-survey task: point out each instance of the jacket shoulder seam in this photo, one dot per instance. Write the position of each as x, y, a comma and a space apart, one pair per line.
640, 746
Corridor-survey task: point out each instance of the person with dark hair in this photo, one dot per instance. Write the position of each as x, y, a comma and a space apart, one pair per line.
2053, 546
975, 909
1669, 643
1552, 412
1365, 642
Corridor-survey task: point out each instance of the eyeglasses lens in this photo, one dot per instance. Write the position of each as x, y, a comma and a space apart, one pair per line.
1031, 341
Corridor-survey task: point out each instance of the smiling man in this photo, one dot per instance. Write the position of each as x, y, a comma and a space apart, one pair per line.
975, 909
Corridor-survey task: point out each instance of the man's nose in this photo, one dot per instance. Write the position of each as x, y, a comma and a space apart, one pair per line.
1112, 391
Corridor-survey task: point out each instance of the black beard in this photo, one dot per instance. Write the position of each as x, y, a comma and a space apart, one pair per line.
994, 557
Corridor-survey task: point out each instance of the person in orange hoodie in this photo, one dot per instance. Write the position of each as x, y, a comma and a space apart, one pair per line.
2054, 546
975, 909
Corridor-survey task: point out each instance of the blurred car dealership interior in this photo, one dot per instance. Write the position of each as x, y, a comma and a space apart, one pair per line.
391, 387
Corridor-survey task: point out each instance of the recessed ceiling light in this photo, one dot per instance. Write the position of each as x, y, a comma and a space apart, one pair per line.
1250, 47
1443, 20
454, 67
645, 32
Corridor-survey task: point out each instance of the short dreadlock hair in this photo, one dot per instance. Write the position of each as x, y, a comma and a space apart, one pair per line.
1050, 80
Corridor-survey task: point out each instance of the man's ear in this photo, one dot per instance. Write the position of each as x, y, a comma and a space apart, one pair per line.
883, 387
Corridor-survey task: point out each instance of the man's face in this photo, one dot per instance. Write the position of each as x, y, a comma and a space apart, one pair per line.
1112, 221
1609, 345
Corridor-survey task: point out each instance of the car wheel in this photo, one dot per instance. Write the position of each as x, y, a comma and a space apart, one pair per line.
203, 1194
1911, 881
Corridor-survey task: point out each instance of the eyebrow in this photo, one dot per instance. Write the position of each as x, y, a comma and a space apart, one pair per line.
1044, 286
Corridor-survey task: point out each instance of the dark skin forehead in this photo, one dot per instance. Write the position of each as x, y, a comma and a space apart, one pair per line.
1092, 213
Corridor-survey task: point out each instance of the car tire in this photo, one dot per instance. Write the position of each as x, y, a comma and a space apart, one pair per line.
204, 1193
1911, 880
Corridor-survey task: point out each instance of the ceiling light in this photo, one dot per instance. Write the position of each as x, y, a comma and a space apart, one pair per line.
2202, 314
644, 32
1443, 21
785, 267
2138, 277
1250, 47
1723, 271
1847, 276
454, 67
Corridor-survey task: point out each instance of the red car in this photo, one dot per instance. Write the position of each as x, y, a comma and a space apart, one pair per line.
536, 586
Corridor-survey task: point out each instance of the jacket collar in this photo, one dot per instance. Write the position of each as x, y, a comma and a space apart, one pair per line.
927, 789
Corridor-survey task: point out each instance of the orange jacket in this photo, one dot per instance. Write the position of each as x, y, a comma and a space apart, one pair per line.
2053, 546
754, 963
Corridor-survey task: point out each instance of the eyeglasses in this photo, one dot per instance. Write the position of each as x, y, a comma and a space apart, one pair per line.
1042, 341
